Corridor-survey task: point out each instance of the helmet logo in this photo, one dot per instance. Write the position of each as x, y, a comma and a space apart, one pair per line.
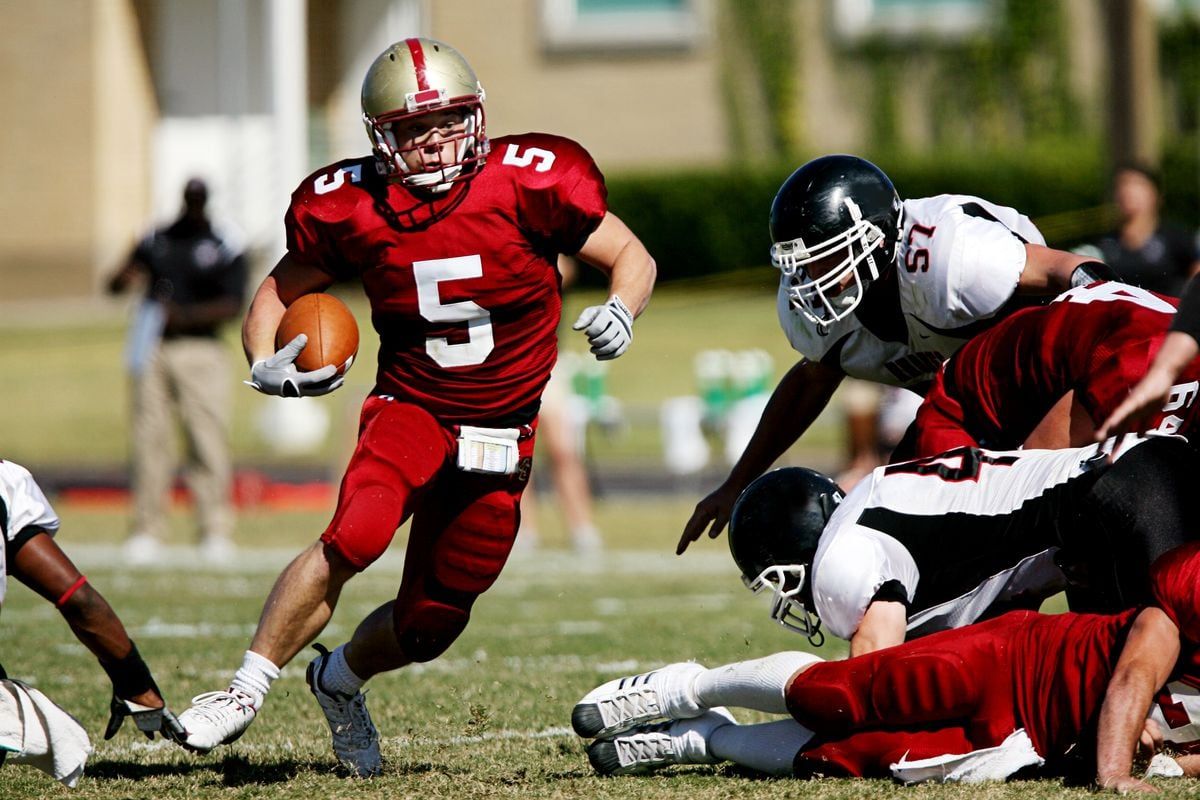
426, 98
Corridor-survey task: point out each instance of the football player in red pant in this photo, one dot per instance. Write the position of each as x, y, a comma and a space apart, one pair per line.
981, 702
455, 241
1097, 341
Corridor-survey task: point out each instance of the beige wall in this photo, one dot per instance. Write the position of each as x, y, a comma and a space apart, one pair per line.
74, 144
630, 109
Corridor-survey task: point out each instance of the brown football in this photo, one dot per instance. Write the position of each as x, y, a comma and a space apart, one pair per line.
330, 327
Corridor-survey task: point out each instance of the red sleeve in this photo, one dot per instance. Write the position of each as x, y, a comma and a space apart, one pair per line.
1175, 577
313, 215
561, 196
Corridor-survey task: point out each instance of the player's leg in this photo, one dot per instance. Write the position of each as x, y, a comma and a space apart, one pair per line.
685, 690
152, 459
200, 371
400, 449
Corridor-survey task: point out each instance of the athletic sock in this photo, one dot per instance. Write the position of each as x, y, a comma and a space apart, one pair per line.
768, 747
757, 684
255, 676
336, 676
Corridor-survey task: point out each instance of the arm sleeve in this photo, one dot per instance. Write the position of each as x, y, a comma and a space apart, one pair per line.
851, 573
1187, 319
983, 262
565, 203
309, 241
25, 504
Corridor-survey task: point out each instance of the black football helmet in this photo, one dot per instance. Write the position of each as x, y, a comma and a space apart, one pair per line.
843, 212
774, 529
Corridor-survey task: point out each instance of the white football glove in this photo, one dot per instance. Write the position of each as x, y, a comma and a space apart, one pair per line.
278, 375
609, 328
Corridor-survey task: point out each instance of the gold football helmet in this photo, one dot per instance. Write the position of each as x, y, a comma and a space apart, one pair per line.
414, 77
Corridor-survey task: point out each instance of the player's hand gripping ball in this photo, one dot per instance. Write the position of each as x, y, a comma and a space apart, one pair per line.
331, 330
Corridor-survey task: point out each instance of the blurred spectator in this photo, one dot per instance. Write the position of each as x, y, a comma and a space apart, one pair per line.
1143, 250
876, 418
195, 279
559, 442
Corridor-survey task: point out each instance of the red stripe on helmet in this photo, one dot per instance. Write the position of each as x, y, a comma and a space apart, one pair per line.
418, 57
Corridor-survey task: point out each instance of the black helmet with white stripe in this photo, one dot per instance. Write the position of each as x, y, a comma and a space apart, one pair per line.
774, 530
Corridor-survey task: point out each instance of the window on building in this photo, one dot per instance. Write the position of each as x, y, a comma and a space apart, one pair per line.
621, 24
855, 19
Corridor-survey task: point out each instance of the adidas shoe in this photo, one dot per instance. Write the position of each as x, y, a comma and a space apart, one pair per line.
355, 739
217, 718
658, 745
625, 703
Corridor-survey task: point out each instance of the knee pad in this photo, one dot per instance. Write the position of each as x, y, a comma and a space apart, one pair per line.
427, 627
830, 697
365, 524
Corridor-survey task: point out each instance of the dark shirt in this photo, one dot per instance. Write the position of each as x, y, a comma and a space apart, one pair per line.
191, 263
1161, 264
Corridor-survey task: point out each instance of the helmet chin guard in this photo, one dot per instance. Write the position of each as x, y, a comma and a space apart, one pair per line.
823, 300
786, 582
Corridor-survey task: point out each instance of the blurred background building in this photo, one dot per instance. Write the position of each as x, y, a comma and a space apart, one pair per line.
689, 105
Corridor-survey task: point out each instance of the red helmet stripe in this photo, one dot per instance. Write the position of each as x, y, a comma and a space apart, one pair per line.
418, 57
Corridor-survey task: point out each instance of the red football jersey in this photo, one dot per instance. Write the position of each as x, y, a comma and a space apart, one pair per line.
464, 288
1096, 340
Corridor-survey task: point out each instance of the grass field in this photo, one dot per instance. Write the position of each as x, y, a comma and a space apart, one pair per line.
489, 719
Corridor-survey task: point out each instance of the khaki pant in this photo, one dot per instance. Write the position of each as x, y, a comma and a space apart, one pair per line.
189, 375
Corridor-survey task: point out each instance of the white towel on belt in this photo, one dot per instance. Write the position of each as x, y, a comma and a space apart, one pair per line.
37, 732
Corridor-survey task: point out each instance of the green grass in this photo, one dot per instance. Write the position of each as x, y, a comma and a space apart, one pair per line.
489, 719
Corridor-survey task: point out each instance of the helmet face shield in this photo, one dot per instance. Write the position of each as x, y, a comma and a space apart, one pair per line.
786, 582
837, 289
409, 158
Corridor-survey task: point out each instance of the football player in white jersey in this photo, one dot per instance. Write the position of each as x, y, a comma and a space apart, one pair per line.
940, 542
884, 290
31, 555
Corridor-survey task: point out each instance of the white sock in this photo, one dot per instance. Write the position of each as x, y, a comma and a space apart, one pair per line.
768, 747
336, 675
757, 684
254, 677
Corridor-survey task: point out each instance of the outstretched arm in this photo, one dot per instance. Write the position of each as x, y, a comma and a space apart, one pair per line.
1144, 665
801, 395
1050, 271
42, 566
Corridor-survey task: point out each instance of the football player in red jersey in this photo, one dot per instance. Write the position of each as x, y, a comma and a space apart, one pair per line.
974, 703
1096, 340
455, 240
1180, 348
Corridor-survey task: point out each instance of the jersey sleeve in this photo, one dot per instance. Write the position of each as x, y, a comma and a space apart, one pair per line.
322, 200
981, 260
848, 575
1174, 578
561, 196
26, 507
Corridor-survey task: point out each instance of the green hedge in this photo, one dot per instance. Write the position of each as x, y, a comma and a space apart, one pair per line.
702, 222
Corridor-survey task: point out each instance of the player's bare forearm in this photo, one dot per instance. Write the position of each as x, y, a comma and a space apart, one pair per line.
616, 251
1048, 271
883, 625
1145, 663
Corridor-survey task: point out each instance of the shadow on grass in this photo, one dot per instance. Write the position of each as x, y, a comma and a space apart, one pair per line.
234, 771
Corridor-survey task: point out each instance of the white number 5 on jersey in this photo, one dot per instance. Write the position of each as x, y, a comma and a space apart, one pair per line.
479, 344
543, 157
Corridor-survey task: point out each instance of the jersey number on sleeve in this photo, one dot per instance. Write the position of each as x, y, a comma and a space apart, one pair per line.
324, 184
544, 157
479, 344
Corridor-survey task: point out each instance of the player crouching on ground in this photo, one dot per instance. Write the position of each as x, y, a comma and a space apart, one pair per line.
32, 728
455, 241
1024, 690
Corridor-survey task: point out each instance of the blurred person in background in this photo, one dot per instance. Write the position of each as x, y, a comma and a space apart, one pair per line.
455, 239
885, 290
33, 728
560, 436
194, 275
1144, 250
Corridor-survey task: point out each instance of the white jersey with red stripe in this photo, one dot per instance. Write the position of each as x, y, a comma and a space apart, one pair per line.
953, 535
958, 262
23, 507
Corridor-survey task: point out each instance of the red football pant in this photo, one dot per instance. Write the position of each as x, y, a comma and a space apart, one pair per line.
463, 524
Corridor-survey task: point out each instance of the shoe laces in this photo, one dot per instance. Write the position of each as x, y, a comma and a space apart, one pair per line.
648, 745
215, 706
352, 721
634, 702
